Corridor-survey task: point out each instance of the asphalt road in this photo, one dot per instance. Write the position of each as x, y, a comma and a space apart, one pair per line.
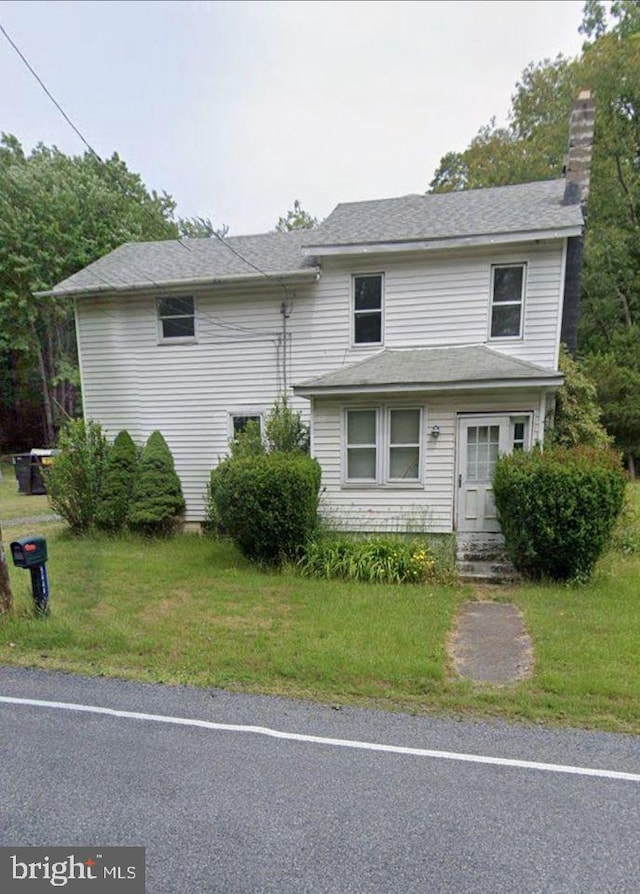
237, 810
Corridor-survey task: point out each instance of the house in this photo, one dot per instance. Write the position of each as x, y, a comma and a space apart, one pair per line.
418, 335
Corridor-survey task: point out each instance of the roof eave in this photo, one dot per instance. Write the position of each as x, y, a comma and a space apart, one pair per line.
311, 390
321, 250
291, 276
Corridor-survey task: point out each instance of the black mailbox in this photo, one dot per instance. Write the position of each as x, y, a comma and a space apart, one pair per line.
28, 552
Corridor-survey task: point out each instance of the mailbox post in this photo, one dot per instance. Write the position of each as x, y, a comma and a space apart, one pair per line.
31, 552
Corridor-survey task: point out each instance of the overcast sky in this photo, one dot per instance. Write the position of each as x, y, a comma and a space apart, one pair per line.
238, 108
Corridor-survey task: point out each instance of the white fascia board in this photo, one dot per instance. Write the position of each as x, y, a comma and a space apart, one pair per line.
551, 381
361, 248
184, 285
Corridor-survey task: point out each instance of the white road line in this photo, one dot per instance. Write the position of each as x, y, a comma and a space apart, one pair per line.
323, 740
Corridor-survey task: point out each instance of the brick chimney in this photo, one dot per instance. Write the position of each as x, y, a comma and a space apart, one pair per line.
578, 165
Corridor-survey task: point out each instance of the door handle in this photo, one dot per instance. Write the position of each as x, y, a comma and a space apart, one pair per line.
460, 479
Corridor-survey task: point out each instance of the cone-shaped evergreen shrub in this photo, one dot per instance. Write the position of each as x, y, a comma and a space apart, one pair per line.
557, 509
117, 484
157, 495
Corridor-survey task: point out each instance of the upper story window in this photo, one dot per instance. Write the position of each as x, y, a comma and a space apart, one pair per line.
367, 309
507, 299
176, 318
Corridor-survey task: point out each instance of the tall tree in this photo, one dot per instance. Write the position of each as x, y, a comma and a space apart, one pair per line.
59, 213
532, 146
296, 219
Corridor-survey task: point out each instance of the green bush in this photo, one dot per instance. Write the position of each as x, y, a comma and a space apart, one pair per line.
558, 508
248, 442
285, 431
157, 501
267, 504
75, 477
381, 559
117, 484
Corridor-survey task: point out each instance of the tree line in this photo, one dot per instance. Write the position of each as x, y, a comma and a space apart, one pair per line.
533, 146
59, 213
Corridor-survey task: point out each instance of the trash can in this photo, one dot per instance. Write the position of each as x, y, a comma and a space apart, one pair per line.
28, 468
22, 466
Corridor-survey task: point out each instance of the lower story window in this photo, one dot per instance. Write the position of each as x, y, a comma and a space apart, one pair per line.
239, 423
404, 445
362, 446
383, 445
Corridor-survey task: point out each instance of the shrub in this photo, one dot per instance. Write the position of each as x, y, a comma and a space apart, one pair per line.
267, 504
577, 416
383, 559
75, 477
117, 484
248, 442
557, 509
285, 431
157, 501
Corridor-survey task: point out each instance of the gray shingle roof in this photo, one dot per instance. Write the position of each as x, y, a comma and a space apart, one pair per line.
431, 369
144, 264
522, 208
481, 215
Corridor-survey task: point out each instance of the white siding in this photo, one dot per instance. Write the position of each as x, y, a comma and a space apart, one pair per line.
427, 507
188, 390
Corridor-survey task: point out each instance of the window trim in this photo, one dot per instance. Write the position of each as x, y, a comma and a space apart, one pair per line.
521, 302
360, 482
176, 339
383, 448
366, 344
389, 446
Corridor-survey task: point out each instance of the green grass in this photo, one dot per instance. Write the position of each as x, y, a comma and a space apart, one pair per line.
14, 504
191, 610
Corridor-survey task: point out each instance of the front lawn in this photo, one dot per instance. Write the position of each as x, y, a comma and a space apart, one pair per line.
191, 610
14, 504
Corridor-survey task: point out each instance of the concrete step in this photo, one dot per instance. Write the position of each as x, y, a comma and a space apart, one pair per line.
480, 548
493, 572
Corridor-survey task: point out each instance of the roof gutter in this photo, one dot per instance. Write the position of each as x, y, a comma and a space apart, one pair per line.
307, 275
441, 243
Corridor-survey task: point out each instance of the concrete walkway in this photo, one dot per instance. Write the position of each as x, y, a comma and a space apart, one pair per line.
490, 644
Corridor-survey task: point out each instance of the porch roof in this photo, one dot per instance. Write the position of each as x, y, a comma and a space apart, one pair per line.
431, 369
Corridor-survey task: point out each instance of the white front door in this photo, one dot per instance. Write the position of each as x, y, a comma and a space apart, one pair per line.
481, 440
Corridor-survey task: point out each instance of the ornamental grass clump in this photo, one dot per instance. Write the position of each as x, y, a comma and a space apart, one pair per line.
117, 484
157, 503
558, 508
382, 559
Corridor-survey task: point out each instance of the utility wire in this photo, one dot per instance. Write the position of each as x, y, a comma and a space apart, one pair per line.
217, 235
49, 94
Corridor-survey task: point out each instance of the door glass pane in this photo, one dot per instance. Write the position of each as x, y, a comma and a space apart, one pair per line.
405, 426
483, 444
403, 463
361, 427
361, 463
